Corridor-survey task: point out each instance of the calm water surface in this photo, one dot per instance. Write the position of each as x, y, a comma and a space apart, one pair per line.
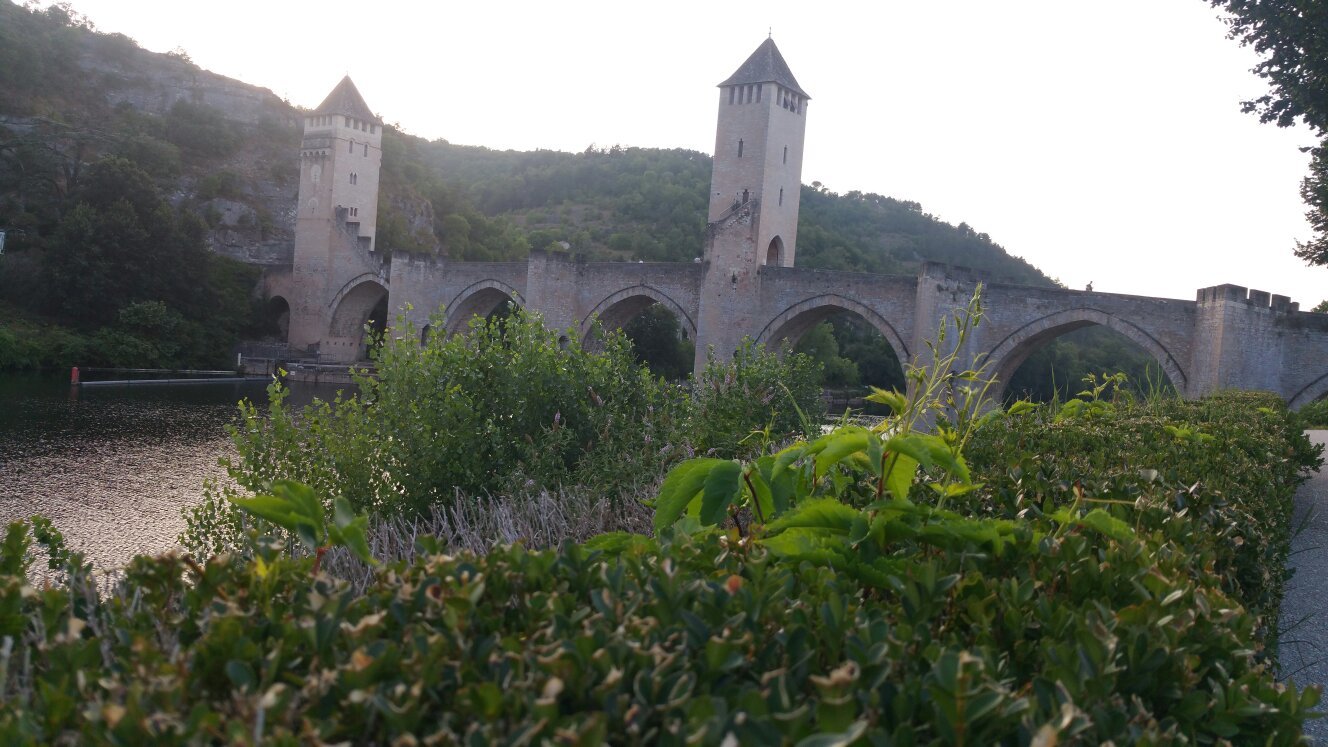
112, 467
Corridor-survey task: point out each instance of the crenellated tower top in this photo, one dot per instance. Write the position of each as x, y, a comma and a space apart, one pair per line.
758, 151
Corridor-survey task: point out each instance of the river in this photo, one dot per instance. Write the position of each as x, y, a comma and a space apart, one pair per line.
113, 467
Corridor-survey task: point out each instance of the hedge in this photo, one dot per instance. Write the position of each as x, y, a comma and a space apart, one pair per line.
1077, 597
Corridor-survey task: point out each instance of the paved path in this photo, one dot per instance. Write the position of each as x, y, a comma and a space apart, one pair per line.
1304, 647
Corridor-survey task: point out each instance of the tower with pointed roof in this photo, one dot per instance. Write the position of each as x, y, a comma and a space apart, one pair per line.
758, 151
753, 218
340, 159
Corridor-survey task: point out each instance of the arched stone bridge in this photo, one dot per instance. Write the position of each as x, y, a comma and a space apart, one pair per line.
1228, 337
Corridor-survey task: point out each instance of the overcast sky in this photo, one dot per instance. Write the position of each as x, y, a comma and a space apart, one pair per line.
1100, 141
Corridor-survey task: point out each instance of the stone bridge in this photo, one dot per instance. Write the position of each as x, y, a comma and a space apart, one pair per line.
745, 284
1228, 337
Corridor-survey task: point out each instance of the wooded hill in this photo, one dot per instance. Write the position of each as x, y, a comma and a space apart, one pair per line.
218, 160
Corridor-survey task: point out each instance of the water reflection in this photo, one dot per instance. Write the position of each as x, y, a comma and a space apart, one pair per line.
112, 467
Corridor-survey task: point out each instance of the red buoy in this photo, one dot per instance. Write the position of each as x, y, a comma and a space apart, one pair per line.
73, 376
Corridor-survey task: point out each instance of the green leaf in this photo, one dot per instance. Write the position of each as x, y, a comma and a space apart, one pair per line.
903, 469
302, 497
1107, 524
894, 400
1021, 407
241, 674
342, 515
762, 497
784, 458
802, 543
721, 487
617, 543
835, 446
825, 514
680, 487
930, 451
841, 739
279, 511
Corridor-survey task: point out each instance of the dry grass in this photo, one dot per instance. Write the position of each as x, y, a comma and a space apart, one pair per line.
537, 520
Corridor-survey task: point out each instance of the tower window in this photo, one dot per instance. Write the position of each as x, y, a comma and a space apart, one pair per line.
350, 147
366, 150
373, 128
348, 121
785, 154
352, 178
739, 147
733, 93
758, 92
781, 195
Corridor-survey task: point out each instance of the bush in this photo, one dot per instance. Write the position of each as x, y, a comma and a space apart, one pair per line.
503, 408
1315, 414
1231, 463
755, 389
510, 407
1064, 630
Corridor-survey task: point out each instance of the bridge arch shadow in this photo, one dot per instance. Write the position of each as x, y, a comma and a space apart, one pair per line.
621, 307
480, 299
1311, 392
661, 331
361, 301
275, 317
799, 319
1005, 358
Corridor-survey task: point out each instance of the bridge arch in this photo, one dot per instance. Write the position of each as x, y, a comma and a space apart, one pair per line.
619, 308
354, 303
797, 320
276, 317
1311, 392
1007, 355
481, 299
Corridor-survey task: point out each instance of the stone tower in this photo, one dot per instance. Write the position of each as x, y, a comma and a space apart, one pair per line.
758, 151
340, 159
753, 219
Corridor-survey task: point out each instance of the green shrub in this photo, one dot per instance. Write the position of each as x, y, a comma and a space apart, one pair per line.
503, 408
1231, 462
755, 389
508, 407
1315, 414
1062, 631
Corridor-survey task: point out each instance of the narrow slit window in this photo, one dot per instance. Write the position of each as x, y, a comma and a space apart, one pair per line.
366, 150
781, 195
758, 92
739, 147
785, 154
350, 147
733, 93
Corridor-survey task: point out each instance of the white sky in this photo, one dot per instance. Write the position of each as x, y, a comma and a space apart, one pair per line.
1100, 141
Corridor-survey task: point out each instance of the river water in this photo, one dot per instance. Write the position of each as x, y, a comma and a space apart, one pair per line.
113, 467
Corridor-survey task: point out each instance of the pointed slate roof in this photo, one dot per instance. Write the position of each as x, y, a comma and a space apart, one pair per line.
346, 100
766, 65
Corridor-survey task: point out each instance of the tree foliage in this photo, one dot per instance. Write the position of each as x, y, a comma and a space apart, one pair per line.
1291, 36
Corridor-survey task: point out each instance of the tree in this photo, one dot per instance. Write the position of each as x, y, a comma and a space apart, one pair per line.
658, 343
1292, 37
122, 244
